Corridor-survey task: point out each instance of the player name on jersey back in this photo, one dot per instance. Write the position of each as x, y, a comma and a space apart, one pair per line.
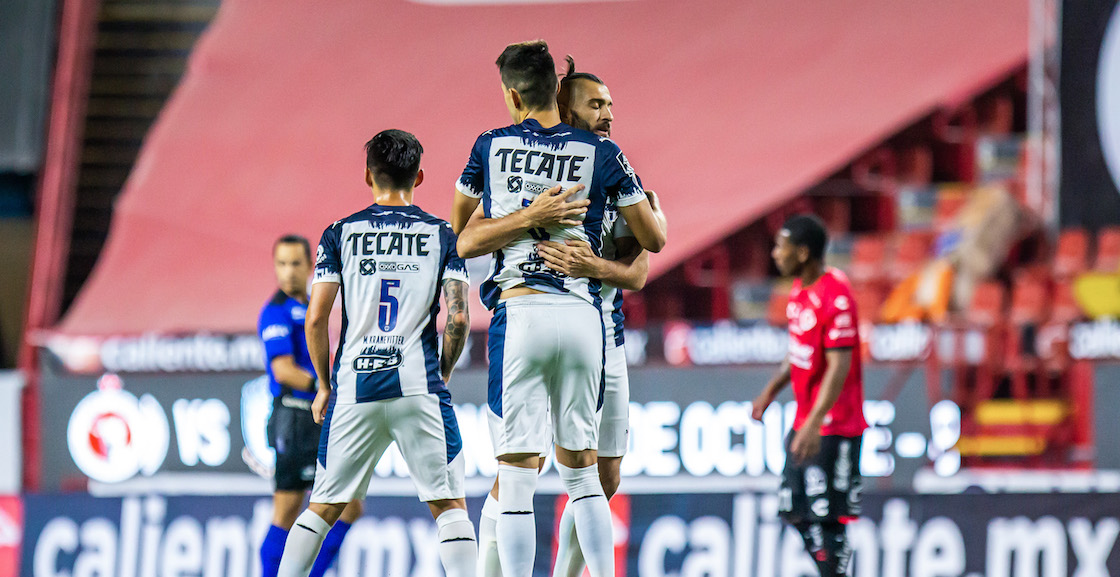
391, 262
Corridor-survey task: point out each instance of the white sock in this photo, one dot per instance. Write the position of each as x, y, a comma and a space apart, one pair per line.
488, 564
304, 540
457, 548
569, 557
516, 526
592, 517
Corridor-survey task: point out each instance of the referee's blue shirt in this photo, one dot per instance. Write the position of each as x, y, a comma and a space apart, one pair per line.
281, 330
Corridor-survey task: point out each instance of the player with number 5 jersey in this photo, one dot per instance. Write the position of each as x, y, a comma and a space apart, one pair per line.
392, 262
388, 384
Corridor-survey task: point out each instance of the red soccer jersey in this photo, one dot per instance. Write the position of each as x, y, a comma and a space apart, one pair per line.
823, 316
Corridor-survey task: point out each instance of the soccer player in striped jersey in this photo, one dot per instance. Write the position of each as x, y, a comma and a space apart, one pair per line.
292, 431
541, 180
389, 379
584, 102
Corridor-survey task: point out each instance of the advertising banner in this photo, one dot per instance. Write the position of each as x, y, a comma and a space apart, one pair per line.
680, 535
115, 434
11, 533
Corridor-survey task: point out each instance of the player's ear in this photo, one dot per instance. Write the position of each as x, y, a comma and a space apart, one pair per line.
419, 178
802, 254
515, 98
369, 178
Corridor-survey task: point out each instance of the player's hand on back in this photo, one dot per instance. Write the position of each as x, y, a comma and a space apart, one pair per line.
552, 208
573, 258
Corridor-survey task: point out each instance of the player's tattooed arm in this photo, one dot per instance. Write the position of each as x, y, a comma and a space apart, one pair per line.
457, 327
550, 208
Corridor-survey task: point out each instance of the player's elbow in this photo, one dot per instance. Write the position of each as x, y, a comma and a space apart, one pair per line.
633, 282
639, 282
457, 224
315, 321
459, 320
467, 247
654, 242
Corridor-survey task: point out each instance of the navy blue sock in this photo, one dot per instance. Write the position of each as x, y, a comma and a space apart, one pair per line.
272, 549
329, 551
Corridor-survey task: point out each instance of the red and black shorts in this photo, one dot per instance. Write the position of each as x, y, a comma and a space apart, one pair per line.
826, 487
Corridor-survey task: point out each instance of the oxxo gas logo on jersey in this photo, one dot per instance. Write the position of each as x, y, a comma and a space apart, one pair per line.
113, 435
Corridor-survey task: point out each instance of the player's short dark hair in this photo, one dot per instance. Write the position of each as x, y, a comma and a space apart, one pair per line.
294, 239
393, 157
808, 231
528, 68
571, 73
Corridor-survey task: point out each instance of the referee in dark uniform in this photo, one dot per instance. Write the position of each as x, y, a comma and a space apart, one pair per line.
292, 431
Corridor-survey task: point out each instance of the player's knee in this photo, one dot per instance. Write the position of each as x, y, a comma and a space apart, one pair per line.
441, 506
522, 460
329, 512
353, 511
610, 475
576, 459
286, 506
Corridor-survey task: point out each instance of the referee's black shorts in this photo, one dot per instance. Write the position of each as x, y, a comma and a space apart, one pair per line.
826, 487
295, 436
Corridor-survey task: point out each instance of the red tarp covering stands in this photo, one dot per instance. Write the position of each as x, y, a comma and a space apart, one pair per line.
726, 108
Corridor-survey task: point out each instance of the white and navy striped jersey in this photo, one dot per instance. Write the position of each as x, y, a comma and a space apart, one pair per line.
511, 166
614, 227
391, 262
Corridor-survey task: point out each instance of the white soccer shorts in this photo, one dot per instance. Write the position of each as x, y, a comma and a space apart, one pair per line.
355, 437
546, 361
614, 418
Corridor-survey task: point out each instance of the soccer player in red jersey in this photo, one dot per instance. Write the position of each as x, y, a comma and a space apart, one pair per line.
821, 482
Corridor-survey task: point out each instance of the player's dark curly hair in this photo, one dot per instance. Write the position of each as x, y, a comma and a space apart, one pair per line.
393, 157
808, 231
528, 68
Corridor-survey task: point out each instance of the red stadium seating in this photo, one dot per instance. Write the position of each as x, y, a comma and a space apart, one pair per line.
1072, 254
1030, 300
1108, 250
869, 254
869, 299
913, 251
986, 308
1065, 308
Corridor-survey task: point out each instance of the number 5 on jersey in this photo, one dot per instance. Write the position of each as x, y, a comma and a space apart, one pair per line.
387, 309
